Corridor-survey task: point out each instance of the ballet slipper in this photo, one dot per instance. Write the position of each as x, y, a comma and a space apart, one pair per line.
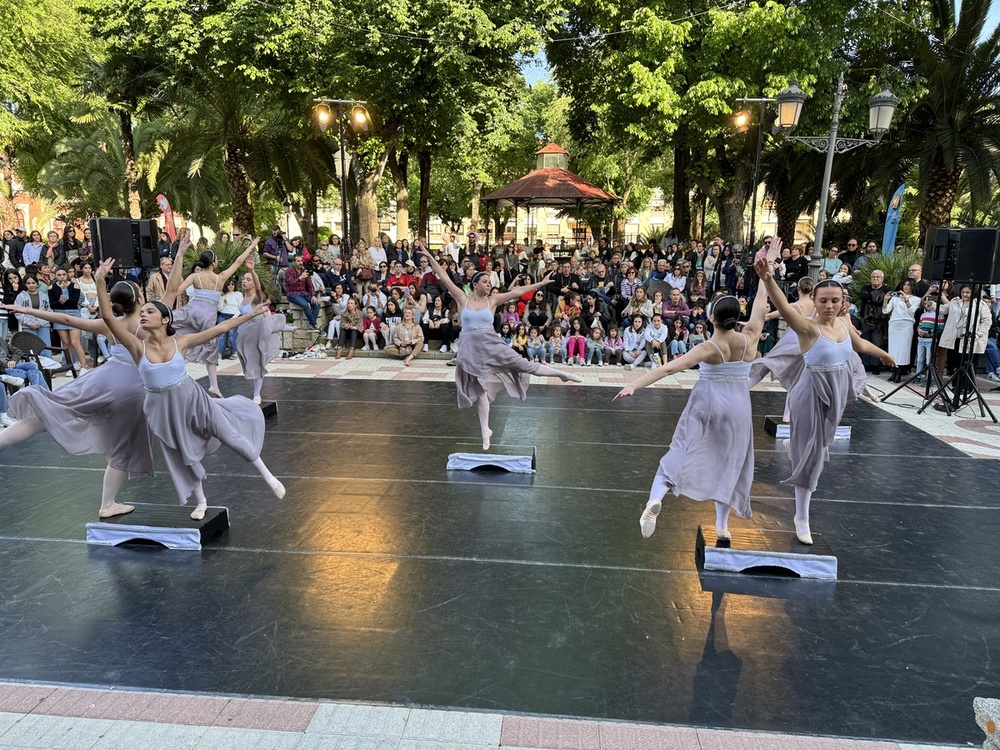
215, 392
802, 531
278, 490
199, 513
570, 377
256, 400
723, 535
115, 509
647, 521
487, 434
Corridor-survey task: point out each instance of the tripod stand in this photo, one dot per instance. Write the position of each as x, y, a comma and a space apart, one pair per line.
933, 376
965, 387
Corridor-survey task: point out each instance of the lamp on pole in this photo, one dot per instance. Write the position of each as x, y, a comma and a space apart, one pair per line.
360, 121
881, 108
741, 123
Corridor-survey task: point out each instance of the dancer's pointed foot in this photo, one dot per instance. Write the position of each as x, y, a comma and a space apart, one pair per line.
487, 434
199, 512
647, 522
256, 400
115, 509
723, 535
278, 489
802, 531
570, 377
215, 392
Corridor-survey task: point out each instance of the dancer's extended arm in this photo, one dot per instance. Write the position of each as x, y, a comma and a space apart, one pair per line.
235, 266
696, 356
758, 313
862, 346
516, 293
805, 328
91, 325
115, 325
456, 292
171, 291
195, 339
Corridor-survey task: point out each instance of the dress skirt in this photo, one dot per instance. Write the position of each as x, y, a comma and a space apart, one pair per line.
816, 404
196, 316
190, 425
483, 356
900, 340
711, 453
98, 413
259, 342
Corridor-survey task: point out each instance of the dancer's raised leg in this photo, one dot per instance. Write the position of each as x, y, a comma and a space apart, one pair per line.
659, 490
272, 481
802, 498
21, 430
544, 371
113, 479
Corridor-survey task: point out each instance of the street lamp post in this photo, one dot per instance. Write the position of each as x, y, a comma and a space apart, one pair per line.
360, 120
880, 110
741, 122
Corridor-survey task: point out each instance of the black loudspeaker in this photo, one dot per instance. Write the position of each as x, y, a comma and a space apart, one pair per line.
131, 242
978, 260
940, 253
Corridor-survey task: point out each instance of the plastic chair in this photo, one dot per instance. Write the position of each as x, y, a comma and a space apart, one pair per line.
33, 346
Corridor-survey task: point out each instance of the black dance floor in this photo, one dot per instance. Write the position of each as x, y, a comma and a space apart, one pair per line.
382, 578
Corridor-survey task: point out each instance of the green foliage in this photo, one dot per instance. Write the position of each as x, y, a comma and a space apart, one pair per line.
894, 267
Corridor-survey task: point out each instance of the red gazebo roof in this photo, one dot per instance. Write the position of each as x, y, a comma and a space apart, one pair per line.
550, 187
552, 148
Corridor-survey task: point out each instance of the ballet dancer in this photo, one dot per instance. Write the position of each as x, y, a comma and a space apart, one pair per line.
715, 422
185, 420
99, 412
485, 365
823, 387
259, 341
201, 311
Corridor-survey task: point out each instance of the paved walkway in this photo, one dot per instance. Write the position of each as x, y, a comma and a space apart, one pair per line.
43, 716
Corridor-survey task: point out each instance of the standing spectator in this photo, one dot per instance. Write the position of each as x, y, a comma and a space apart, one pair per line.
157, 284
901, 307
51, 254
277, 250
32, 297
11, 288
931, 323
64, 297
32, 254
229, 307
871, 248
874, 323
162, 245
69, 247
15, 248
299, 290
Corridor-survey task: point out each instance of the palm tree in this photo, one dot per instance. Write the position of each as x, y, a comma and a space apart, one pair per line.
953, 131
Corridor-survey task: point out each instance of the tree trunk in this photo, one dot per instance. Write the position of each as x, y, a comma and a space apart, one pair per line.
131, 168
730, 204
787, 212
367, 204
424, 213
477, 192
682, 194
941, 191
239, 189
398, 168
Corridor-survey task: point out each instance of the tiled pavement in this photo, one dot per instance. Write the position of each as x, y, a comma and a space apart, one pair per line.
42, 716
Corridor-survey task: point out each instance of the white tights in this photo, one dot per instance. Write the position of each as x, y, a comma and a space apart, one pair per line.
802, 498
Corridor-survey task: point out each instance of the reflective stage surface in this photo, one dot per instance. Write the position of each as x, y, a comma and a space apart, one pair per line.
381, 577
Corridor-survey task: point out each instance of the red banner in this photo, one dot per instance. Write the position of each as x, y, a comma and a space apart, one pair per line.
168, 216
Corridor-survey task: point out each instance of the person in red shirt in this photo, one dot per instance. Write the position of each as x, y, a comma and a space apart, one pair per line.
397, 277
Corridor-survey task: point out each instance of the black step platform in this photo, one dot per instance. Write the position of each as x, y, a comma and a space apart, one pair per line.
765, 549
270, 408
517, 459
774, 425
169, 525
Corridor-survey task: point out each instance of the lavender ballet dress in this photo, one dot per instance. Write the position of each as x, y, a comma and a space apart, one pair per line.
189, 424
711, 453
99, 412
199, 314
483, 356
784, 363
816, 404
259, 342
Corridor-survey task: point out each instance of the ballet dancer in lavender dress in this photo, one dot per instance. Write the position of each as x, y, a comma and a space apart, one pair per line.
259, 341
486, 365
188, 424
823, 388
204, 289
715, 422
99, 412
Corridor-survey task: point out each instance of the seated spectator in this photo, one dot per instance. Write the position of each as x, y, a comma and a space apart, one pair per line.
370, 328
536, 346
635, 342
340, 274
595, 347
569, 306
338, 304
519, 341
698, 290
510, 314
639, 306
392, 316
595, 312
507, 334
677, 279
437, 325
662, 270
657, 337
614, 347
397, 279
429, 284
676, 308
351, 323
576, 342
557, 345
537, 313
374, 298
843, 276
699, 335
407, 339
414, 300
299, 290
678, 339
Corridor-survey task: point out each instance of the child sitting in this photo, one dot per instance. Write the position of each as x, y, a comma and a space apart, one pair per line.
595, 347
613, 346
557, 344
678, 340
536, 346
520, 340
370, 328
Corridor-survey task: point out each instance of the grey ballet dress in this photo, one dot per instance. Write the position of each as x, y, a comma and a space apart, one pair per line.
482, 356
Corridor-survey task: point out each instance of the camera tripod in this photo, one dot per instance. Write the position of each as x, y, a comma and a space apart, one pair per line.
934, 380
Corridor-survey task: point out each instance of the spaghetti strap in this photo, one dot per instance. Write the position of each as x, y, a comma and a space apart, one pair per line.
197, 278
746, 344
718, 350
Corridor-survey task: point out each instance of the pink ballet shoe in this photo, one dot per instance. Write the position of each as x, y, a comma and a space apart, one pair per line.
115, 509
215, 392
802, 531
723, 535
199, 513
647, 521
